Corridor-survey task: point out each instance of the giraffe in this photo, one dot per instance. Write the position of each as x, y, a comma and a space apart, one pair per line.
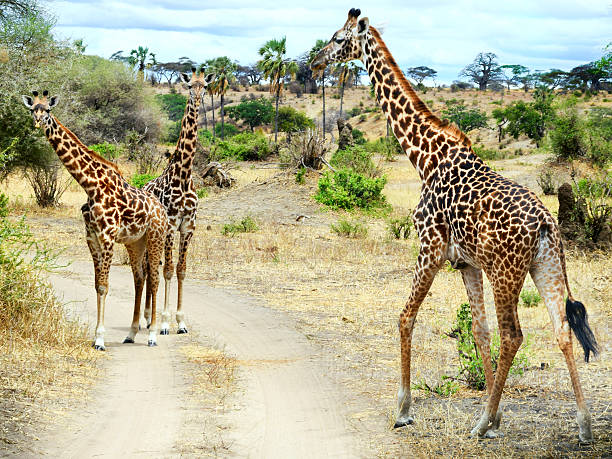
475, 218
174, 189
115, 212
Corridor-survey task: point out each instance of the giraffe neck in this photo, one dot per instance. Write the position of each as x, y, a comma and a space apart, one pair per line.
424, 137
87, 167
186, 145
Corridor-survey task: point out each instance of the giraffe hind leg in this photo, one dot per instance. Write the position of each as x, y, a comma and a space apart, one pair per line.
548, 277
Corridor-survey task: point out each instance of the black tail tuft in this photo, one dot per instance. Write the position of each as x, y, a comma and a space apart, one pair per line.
579, 323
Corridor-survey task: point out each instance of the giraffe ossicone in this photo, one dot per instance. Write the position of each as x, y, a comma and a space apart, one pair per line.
114, 212
474, 217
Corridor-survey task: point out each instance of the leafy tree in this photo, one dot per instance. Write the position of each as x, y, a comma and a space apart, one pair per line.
464, 117
529, 118
139, 58
292, 120
249, 74
519, 74
275, 67
173, 104
253, 112
171, 70
483, 70
224, 70
418, 74
552, 79
588, 76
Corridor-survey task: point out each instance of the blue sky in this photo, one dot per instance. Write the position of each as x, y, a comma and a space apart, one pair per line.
445, 35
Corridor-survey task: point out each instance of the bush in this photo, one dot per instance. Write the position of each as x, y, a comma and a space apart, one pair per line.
355, 111
246, 225
566, 136
246, 146
255, 112
471, 369
530, 298
598, 135
292, 120
546, 180
173, 132
202, 193
358, 137
300, 175
357, 159
387, 147
106, 150
173, 105
593, 197
140, 180
465, 118
229, 129
486, 154
349, 229
346, 189
400, 228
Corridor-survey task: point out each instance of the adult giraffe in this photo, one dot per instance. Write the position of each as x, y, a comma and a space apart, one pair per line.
115, 212
174, 189
475, 218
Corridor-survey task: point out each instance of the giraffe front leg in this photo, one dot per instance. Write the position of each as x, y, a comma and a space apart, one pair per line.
472, 279
168, 268
428, 263
101, 283
181, 268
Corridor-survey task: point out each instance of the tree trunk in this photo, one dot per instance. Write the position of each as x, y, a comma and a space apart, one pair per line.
212, 103
276, 115
203, 108
323, 89
222, 119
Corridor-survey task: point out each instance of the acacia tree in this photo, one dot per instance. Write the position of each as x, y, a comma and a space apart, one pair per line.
224, 70
483, 70
552, 79
418, 74
519, 74
275, 67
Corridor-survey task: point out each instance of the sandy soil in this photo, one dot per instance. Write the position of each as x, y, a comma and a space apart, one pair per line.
286, 404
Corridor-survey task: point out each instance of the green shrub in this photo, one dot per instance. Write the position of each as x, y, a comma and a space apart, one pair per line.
347, 189
106, 150
229, 129
486, 154
202, 193
355, 111
173, 132
593, 201
566, 136
140, 180
400, 228
598, 135
292, 120
246, 225
357, 159
446, 388
358, 137
471, 369
300, 175
246, 146
173, 105
546, 180
349, 229
362, 117
387, 147
253, 112
530, 298
465, 118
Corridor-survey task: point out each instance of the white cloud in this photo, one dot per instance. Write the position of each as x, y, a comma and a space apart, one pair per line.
445, 35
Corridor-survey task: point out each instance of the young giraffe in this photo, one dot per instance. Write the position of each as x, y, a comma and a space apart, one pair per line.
115, 212
476, 219
174, 189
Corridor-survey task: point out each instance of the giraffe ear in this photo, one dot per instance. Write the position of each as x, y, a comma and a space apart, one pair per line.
27, 101
362, 26
53, 101
185, 78
208, 79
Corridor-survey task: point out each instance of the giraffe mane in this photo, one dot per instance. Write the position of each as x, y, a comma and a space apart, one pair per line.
89, 151
419, 105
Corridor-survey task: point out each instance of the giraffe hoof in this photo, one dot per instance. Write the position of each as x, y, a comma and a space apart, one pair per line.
98, 347
128, 340
403, 422
181, 331
152, 343
164, 331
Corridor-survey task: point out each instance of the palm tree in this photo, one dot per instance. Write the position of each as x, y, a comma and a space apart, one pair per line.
224, 70
346, 71
137, 58
320, 44
212, 90
275, 68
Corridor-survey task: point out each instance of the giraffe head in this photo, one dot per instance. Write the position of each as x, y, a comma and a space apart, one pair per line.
40, 106
197, 83
345, 45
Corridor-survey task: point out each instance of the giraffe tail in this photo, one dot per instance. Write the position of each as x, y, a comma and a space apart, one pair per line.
577, 316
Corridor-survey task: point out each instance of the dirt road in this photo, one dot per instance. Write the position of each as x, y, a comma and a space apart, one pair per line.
288, 404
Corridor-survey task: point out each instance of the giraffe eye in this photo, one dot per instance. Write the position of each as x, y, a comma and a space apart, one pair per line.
339, 40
